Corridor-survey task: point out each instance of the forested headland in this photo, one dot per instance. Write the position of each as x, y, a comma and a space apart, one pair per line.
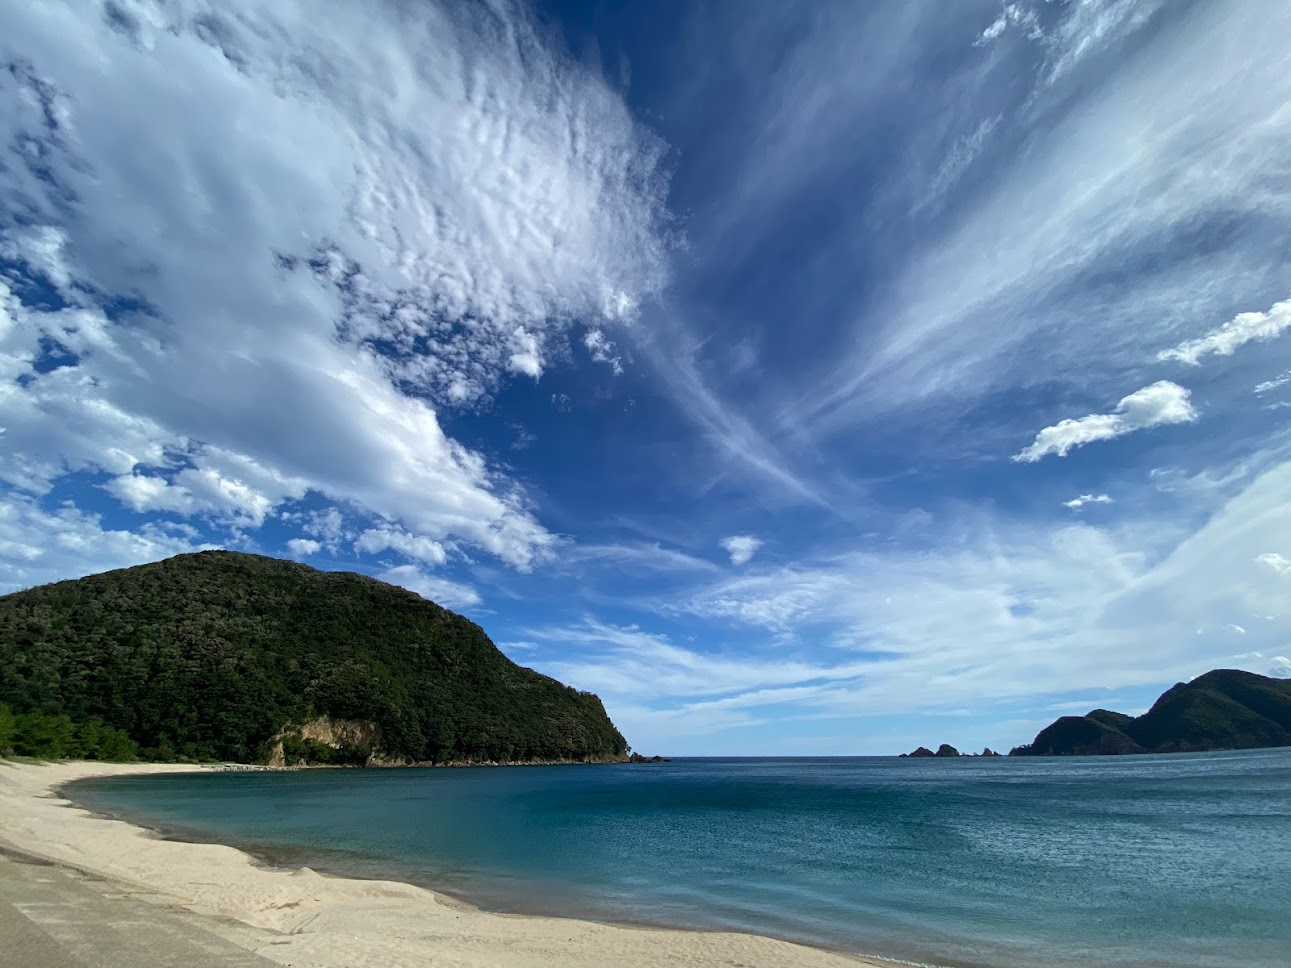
227, 656
1225, 709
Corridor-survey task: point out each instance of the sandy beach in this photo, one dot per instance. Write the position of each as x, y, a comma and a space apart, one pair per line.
302, 918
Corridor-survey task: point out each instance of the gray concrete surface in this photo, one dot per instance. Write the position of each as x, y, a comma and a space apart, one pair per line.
55, 917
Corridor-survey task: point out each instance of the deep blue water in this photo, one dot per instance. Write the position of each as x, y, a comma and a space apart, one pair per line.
1181, 861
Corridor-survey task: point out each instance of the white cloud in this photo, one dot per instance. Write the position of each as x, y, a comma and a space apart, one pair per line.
303, 547
996, 29
527, 356
983, 613
1079, 502
1278, 381
1278, 563
223, 485
1237, 332
328, 525
628, 661
40, 546
993, 610
1278, 666
441, 591
41, 246
741, 547
603, 350
637, 558
375, 540
778, 600
1091, 27
1017, 15
518, 645
957, 160
408, 197
139, 492
1161, 403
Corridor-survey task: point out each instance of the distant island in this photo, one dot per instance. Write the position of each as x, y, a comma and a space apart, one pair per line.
946, 750
1225, 709
227, 656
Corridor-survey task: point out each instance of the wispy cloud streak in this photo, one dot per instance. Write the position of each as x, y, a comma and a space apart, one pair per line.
1237, 332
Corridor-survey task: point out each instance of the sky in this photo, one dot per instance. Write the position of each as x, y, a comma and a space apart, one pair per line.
824, 378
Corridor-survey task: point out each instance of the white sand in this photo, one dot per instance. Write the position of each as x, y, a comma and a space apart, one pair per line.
307, 919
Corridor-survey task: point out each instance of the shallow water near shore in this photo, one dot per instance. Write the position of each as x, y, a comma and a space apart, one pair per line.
1122, 862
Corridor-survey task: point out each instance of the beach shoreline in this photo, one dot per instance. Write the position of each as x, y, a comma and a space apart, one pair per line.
303, 918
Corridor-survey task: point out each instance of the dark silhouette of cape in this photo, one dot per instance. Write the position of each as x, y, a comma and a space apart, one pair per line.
1222, 710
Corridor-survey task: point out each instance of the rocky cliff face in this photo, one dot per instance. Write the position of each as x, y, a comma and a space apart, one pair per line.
334, 733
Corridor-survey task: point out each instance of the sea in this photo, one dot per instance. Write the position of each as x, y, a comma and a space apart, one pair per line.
1174, 861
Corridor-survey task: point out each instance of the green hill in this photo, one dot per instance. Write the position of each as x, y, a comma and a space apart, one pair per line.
1222, 710
1080, 736
1109, 718
221, 655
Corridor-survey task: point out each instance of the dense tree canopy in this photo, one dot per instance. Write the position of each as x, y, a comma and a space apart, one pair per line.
210, 655
55, 736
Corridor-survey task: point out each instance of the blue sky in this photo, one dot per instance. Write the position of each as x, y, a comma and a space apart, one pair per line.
803, 378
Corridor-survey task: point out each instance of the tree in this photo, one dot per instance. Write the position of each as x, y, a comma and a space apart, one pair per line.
6, 729
44, 736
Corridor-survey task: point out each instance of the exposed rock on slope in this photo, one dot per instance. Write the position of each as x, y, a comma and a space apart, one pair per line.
324, 738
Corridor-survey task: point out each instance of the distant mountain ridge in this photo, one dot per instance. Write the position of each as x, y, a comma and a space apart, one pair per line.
1225, 709
230, 656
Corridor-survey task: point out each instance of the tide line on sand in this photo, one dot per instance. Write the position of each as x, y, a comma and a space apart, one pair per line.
301, 918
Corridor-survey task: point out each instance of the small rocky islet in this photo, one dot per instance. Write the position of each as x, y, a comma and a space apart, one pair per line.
946, 751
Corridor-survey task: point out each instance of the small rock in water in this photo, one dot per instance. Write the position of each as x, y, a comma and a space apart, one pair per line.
638, 758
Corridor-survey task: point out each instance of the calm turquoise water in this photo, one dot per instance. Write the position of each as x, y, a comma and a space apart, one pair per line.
1176, 861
